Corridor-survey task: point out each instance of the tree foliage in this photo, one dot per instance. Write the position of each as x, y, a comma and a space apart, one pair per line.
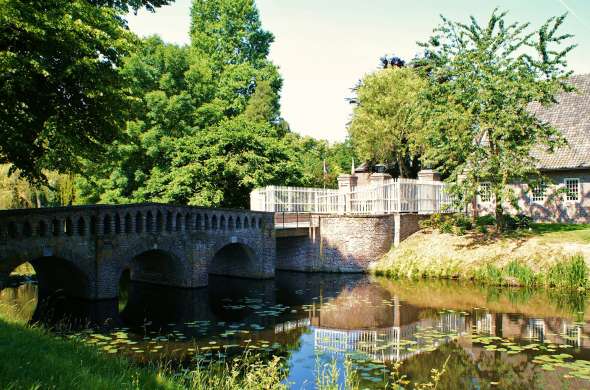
18, 193
61, 95
229, 32
482, 80
125, 5
387, 117
206, 127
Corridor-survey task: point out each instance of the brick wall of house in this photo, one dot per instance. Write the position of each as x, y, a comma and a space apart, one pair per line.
554, 208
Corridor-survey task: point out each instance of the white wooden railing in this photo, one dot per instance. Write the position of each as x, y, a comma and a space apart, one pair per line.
290, 199
391, 196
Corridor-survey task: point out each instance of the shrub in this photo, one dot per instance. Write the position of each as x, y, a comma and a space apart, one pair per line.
458, 230
490, 274
433, 221
519, 221
461, 221
452, 223
486, 220
482, 229
570, 274
445, 227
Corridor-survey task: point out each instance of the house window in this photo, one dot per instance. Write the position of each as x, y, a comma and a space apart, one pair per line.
485, 192
572, 188
539, 192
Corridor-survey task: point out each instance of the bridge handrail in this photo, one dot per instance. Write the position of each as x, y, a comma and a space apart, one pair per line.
389, 196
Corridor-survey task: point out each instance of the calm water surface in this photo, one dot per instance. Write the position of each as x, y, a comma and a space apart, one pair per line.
489, 338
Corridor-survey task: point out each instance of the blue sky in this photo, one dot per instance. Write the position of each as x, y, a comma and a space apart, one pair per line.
323, 47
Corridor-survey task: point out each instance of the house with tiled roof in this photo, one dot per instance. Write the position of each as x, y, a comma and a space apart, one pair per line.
565, 196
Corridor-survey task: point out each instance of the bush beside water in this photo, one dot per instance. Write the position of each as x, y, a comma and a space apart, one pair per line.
570, 274
459, 223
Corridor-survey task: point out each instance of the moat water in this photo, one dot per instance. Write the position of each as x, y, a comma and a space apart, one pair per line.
482, 337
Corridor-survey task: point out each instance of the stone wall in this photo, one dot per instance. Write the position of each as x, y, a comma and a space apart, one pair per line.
344, 243
349, 244
406, 225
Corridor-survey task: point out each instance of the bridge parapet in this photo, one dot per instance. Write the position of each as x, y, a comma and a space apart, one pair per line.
113, 220
157, 243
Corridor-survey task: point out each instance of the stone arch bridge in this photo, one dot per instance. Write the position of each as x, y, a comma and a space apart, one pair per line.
84, 250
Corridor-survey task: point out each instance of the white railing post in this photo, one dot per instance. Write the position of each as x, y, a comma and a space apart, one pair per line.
399, 196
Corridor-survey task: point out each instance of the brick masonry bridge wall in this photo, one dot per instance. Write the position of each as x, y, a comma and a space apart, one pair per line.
84, 250
335, 243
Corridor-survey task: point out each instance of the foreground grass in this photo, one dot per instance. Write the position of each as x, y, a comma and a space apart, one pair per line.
546, 255
35, 359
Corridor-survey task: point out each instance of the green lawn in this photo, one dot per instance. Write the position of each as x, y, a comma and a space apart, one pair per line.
560, 232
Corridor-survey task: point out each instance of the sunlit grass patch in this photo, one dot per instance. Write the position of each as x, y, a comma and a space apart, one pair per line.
523, 259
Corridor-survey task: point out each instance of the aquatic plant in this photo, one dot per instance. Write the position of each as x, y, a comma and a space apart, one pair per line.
523, 273
569, 274
246, 372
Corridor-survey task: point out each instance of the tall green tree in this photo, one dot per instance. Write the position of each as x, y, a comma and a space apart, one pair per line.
482, 80
229, 32
206, 127
263, 106
387, 117
61, 95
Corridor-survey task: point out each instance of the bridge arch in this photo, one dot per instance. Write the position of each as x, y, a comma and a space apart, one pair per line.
157, 265
178, 226
42, 228
117, 223
138, 222
235, 259
54, 273
81, 226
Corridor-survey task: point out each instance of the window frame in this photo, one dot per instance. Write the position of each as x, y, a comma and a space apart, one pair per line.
487, 192
566, 195
535, 199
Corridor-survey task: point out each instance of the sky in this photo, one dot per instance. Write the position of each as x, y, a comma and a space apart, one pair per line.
323, 47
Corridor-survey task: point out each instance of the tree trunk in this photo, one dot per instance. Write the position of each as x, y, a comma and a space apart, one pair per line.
499, 212
401, 167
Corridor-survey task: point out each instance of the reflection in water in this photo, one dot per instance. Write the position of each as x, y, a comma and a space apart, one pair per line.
19, 302
492, 335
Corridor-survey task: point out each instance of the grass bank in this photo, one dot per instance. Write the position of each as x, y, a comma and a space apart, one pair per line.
555, 256
33, 358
